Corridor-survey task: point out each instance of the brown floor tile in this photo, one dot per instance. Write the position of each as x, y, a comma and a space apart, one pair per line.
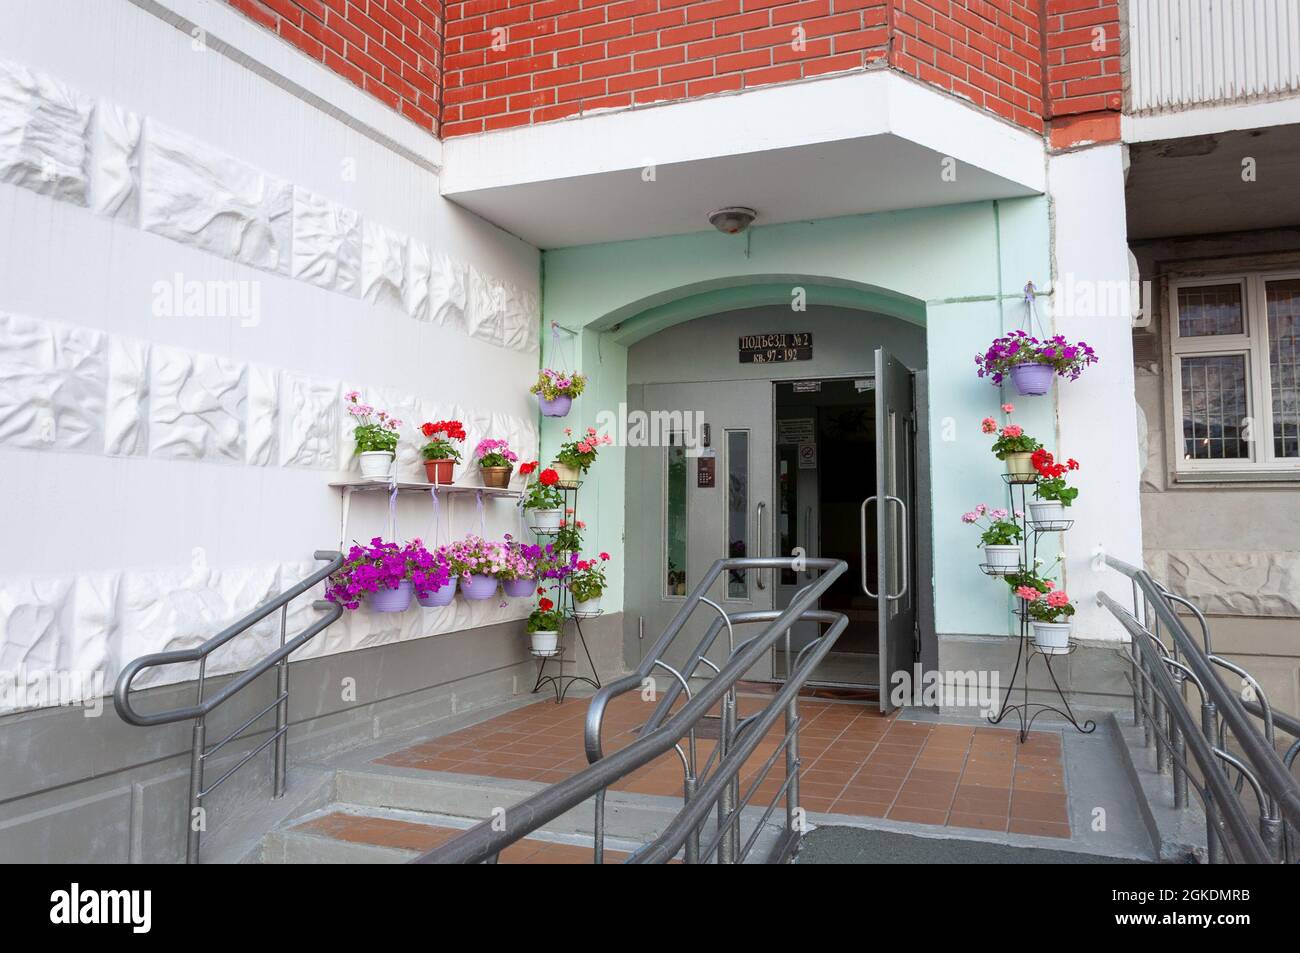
983, 822
1039, 828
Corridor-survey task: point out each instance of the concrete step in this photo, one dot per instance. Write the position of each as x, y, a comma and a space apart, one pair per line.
343, 833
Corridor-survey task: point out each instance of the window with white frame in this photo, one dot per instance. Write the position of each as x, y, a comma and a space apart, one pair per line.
1236, 372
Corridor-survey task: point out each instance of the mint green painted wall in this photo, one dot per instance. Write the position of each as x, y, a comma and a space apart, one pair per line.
957, 269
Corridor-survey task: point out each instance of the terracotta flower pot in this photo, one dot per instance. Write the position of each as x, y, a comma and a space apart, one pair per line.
439, 471
498, 477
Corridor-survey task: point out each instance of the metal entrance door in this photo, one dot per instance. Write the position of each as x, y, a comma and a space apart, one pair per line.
690, 504
894, 499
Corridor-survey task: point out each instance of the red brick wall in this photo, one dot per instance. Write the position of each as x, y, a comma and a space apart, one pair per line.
558, 58
390, 48
1085, 86
987, 52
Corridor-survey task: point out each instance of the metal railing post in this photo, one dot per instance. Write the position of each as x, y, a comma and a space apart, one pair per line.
196, 820
598, 828
730, 792
792, 765
689, 787
282, 714
1213, 846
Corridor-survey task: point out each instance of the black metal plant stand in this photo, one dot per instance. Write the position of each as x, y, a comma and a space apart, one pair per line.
1028, 649
560, 681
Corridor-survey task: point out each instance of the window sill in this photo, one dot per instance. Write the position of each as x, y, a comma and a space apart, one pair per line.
1249, 477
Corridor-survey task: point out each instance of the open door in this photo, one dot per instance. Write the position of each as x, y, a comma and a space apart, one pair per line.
894, 501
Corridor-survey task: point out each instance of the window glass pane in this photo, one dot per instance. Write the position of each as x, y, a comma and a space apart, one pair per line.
1210, 309
737, 509
1284, 365
1214, 407
675, 530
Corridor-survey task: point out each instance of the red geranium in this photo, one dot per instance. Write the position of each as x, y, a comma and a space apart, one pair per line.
427, 429
527, 468
546, 605
548, 477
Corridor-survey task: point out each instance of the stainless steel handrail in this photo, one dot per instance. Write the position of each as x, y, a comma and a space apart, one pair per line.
485, 841
1159, 673
200, 750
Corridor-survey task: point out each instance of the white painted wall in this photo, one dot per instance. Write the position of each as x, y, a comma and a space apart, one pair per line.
1097, 415
164, 474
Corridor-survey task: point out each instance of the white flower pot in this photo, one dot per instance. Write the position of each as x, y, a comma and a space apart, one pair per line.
544, 643
1046, 511
377, 464
586, 608
545, 521
1052, 635
1002, 557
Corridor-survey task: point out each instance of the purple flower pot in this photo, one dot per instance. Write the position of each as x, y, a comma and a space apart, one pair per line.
519, 588
478, 587
1032, 380
554, 408
392, 600
440, 597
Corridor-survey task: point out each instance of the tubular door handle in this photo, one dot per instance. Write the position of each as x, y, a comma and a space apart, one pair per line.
903, 564
862, 525
758, 541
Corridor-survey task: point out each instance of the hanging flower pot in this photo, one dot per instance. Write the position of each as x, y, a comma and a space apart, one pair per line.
376, 464
1032, 380
1032, 363
519, 588
559, 407
392, 600
479, 587
439, 597
555, 391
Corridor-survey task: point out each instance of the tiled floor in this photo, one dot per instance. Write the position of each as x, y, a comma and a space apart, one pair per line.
404, 835
855, 761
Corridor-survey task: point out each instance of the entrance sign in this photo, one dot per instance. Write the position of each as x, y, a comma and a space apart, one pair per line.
777, 348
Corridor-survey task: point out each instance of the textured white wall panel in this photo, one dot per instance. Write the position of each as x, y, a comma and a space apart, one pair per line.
383, 264
115, 521
115, 175
263, 425
309, 417
126, 398
52, 384
193, 194
326, 243
43, 134
447, 291
197, 406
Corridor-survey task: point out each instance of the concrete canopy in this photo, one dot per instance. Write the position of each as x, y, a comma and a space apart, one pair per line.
868, 142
